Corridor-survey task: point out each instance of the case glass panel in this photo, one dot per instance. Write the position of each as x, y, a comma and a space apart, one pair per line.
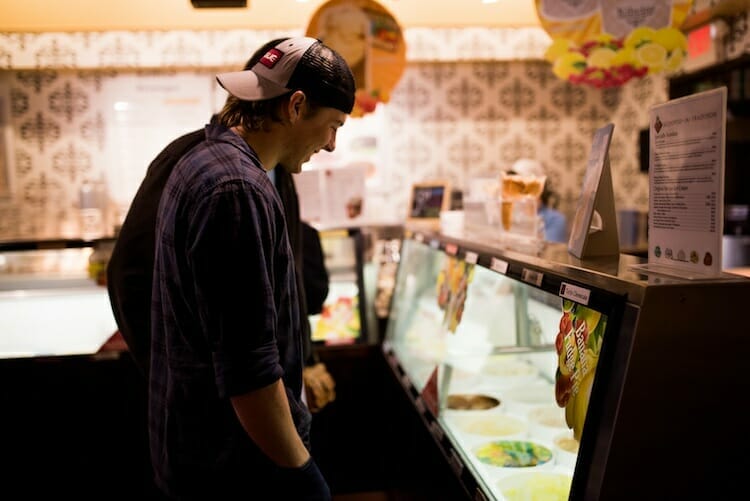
508, 361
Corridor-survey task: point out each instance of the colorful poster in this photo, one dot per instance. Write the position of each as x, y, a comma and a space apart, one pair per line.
605, 43
578, 344
370, 40
452, 288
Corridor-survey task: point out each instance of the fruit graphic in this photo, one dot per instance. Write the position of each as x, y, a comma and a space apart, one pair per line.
580, 404
605, 61
578, 344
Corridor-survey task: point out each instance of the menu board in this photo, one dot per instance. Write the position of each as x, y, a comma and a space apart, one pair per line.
686, 185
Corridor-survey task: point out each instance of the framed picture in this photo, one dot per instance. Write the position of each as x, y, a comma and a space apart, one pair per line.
427, 201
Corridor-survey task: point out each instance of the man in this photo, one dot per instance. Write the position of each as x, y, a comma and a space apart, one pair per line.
555, 223
130, 267
225, 416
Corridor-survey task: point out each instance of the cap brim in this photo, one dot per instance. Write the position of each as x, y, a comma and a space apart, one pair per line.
248, 86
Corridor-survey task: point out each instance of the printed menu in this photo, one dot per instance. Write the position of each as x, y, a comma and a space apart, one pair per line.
686, 184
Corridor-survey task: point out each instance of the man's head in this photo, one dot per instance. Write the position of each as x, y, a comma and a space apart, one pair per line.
285, 65
298, 83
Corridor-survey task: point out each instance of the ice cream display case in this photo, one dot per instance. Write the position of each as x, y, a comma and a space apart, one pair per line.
341, 319
547, 377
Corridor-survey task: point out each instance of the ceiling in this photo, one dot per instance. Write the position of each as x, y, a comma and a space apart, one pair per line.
95, 15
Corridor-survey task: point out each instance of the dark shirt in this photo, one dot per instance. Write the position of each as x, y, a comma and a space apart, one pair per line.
225, 317
130, 268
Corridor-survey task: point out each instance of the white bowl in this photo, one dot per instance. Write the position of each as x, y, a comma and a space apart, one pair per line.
507, 371
472, 403
522, 399
532, 485
547, 421
505, 455
475, 428
566, 449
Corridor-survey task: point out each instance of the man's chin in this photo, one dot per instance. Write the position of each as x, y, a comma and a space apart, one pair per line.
292, 169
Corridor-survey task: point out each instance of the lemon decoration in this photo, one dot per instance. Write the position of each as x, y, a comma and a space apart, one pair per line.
559, 47
674, 61
604, 38
572, 63
670, 39
653, 56
640, 36
625, 56
601, 58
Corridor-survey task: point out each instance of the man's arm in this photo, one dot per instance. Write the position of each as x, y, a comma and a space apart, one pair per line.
265, 416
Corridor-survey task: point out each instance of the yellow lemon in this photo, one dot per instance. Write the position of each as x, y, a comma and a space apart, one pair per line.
604, 38
625, 56
581, 404
591, 317
674, 61
670, 39
601, 58
639, 36
653, 56
572, 63
559, 47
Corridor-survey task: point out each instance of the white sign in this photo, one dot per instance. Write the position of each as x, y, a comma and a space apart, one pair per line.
686, 183
144, 114
332, 196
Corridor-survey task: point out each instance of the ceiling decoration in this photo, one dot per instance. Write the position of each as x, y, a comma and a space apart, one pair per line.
606, 43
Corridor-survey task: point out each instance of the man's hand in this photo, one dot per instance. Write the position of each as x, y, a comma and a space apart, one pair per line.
320, 388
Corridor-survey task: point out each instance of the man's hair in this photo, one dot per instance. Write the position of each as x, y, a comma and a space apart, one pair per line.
258, 115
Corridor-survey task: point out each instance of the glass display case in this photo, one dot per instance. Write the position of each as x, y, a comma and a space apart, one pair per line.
342, 319
545, 377
50, 301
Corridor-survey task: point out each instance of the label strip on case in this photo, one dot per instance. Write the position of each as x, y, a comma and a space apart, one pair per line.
575, 293
532, 277
456, 464
499, 265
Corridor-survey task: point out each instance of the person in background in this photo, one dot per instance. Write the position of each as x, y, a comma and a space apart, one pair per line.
555, 223
130, 267
225, 410
313, 284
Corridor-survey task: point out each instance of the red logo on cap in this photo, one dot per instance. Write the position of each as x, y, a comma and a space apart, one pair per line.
271, 57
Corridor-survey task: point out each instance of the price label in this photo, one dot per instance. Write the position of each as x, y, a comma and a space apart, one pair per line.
471, 257
420, 405
435, 243
451, 249
499, 265
575, 293
532, 277
437, 431
456, 464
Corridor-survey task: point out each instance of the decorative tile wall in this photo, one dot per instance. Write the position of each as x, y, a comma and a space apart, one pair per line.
470, 102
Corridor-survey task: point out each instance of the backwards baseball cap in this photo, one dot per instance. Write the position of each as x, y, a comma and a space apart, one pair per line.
302, 63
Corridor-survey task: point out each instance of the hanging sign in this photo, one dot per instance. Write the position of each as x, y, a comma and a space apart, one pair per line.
370, 40
605, 43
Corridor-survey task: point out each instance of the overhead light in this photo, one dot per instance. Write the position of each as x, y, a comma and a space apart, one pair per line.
217, 4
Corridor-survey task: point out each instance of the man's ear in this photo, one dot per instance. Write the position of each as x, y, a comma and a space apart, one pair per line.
296, 105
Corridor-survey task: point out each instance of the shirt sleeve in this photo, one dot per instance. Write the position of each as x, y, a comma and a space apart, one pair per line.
232, 246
